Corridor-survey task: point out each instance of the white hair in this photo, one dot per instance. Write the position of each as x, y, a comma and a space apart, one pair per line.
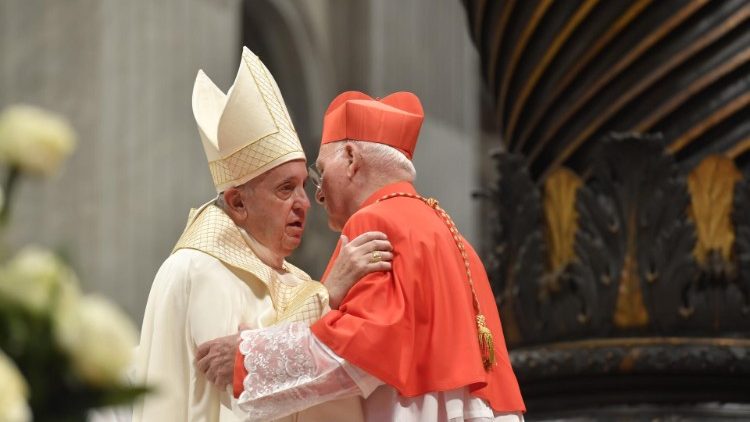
222, 204
386, 157
219, 201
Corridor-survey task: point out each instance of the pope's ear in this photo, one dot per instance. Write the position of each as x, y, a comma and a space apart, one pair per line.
353, 156
234, 204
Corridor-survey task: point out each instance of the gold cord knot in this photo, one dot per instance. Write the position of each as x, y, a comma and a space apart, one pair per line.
432, 202
486, 343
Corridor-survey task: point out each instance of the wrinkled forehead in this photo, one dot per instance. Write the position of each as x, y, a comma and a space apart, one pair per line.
288, 170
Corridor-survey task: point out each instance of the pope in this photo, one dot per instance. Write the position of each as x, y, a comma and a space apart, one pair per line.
229, 265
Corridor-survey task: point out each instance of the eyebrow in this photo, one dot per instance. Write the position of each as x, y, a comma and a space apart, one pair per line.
286, 180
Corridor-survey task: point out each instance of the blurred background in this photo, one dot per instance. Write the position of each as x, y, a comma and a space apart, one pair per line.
123, 72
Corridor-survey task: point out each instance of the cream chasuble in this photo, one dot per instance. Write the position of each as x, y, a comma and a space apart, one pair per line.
213, 282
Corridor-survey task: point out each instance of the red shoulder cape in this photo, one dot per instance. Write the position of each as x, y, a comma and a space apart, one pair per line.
414, 327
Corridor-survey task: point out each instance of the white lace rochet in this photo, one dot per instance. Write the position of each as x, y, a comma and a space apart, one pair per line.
288, 371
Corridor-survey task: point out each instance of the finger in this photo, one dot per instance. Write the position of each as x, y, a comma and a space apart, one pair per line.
216, 379
376, 245
220, 382
344, 240
203, 350
211, 377
368, 236
384, 256
380, 266
203, 364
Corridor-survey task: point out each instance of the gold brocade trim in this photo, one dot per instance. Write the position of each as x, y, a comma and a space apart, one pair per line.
211, 231
305, 304
252, 159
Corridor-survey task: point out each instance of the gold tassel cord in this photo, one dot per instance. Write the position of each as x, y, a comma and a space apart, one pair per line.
486, 343
484, 335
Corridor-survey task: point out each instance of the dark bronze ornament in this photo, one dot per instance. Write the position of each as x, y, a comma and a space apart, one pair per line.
741, 218
621, 212
518, 253
566, 73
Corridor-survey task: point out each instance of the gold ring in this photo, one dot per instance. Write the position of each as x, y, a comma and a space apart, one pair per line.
375, 257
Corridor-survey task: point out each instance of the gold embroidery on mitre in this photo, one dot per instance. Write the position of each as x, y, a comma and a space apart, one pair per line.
267, 152
211, 231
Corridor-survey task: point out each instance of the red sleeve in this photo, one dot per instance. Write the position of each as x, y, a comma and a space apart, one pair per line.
375, 314
239, 374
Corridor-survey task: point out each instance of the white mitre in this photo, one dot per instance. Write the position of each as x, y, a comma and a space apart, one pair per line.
247, 131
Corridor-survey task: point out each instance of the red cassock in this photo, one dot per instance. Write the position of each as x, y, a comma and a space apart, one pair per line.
414, 327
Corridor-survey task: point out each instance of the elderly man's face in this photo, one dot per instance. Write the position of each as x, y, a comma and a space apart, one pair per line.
334, 190
277, 207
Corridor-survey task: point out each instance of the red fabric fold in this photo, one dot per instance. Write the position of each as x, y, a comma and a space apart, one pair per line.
239, 374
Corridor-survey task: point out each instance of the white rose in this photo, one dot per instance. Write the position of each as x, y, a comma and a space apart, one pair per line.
34, 277
99, 339
13, 392
35, 140
65, 315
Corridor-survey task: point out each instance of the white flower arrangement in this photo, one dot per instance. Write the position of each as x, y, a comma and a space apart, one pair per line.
13, 393
34, 140
100, 340
68, 350
32, 278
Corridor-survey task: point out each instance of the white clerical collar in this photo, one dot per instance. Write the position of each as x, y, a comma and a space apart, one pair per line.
263, 253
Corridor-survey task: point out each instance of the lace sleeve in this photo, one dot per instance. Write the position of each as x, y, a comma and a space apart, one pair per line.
289, 371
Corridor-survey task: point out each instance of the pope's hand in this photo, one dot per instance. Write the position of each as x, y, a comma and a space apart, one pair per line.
367, 253
215, 359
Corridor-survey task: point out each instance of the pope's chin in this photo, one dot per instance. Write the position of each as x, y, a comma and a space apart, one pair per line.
293, 235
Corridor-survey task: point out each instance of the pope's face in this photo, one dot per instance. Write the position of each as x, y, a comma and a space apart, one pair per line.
333, 192
278, 206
